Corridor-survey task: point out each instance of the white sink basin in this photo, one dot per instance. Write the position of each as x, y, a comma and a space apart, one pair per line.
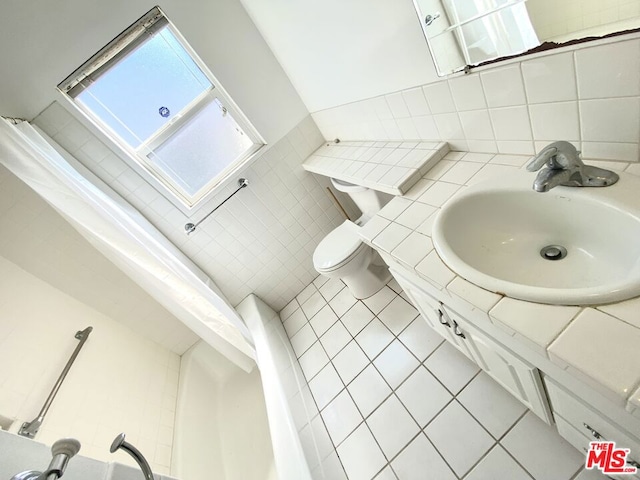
492, 234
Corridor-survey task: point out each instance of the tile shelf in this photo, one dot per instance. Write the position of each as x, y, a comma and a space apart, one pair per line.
389, 167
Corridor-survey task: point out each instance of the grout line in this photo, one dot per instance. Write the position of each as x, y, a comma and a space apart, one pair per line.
480, 460
400, 452
440, 454
436, 377
514, 424
565, 328
574, 70
507, 450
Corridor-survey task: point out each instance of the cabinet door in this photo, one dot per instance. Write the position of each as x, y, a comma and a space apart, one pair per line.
454, 333
434, 313
516, 375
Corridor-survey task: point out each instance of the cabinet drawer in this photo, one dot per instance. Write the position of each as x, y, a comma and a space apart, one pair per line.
588, 421
581, 443
571, 435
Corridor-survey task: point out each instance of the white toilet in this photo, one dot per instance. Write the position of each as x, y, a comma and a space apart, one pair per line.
343, 255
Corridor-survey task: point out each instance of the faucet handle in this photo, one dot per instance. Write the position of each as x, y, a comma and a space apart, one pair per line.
65, 446
557, 156
541, 159
62, 451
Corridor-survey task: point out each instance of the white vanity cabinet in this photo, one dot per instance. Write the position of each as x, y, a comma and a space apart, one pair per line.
516, 375
434, 313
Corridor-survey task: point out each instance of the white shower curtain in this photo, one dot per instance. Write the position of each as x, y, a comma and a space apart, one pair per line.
126, 238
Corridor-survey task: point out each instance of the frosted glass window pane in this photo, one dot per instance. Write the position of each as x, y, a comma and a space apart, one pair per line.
128, 97
201, 149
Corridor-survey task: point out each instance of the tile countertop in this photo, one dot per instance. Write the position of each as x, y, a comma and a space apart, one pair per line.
598, 345
389, 167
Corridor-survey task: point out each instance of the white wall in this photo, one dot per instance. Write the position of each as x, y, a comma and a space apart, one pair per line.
222, 430
120, 382
337, 52
35, 237
43, 42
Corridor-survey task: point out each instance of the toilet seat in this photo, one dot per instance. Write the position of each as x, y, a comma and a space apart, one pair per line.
338, 248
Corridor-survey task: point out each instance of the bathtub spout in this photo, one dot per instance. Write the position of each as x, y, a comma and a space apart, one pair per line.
119, 443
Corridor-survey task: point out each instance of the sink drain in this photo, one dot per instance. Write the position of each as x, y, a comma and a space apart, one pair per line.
553, 252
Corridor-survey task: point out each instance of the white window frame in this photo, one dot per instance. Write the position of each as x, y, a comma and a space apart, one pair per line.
137, 158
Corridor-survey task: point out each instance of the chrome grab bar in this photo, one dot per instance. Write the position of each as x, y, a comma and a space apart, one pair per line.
30, 429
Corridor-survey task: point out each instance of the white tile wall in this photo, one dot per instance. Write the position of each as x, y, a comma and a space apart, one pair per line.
467, 93
620, 78
35, 237
262, 241
105, 393
504, 87
550, 78
589, 94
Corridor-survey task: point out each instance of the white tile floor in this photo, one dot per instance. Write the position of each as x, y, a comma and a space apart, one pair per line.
399, 403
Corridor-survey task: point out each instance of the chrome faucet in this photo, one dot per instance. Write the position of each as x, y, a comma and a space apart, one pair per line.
564, 167
62, 451
119, 443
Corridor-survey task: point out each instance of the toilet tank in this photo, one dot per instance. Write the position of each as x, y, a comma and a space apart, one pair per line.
369, 201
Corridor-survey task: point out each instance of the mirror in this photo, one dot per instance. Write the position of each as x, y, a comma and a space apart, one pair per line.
465, 33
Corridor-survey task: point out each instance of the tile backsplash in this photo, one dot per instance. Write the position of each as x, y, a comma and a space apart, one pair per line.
587, 94
262, 241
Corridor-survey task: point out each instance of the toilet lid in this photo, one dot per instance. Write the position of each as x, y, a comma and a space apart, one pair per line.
337, 247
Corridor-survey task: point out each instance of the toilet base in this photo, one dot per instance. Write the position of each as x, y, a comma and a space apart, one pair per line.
367, 282
364, 272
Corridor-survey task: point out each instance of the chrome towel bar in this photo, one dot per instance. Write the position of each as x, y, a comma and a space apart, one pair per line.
191, 227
